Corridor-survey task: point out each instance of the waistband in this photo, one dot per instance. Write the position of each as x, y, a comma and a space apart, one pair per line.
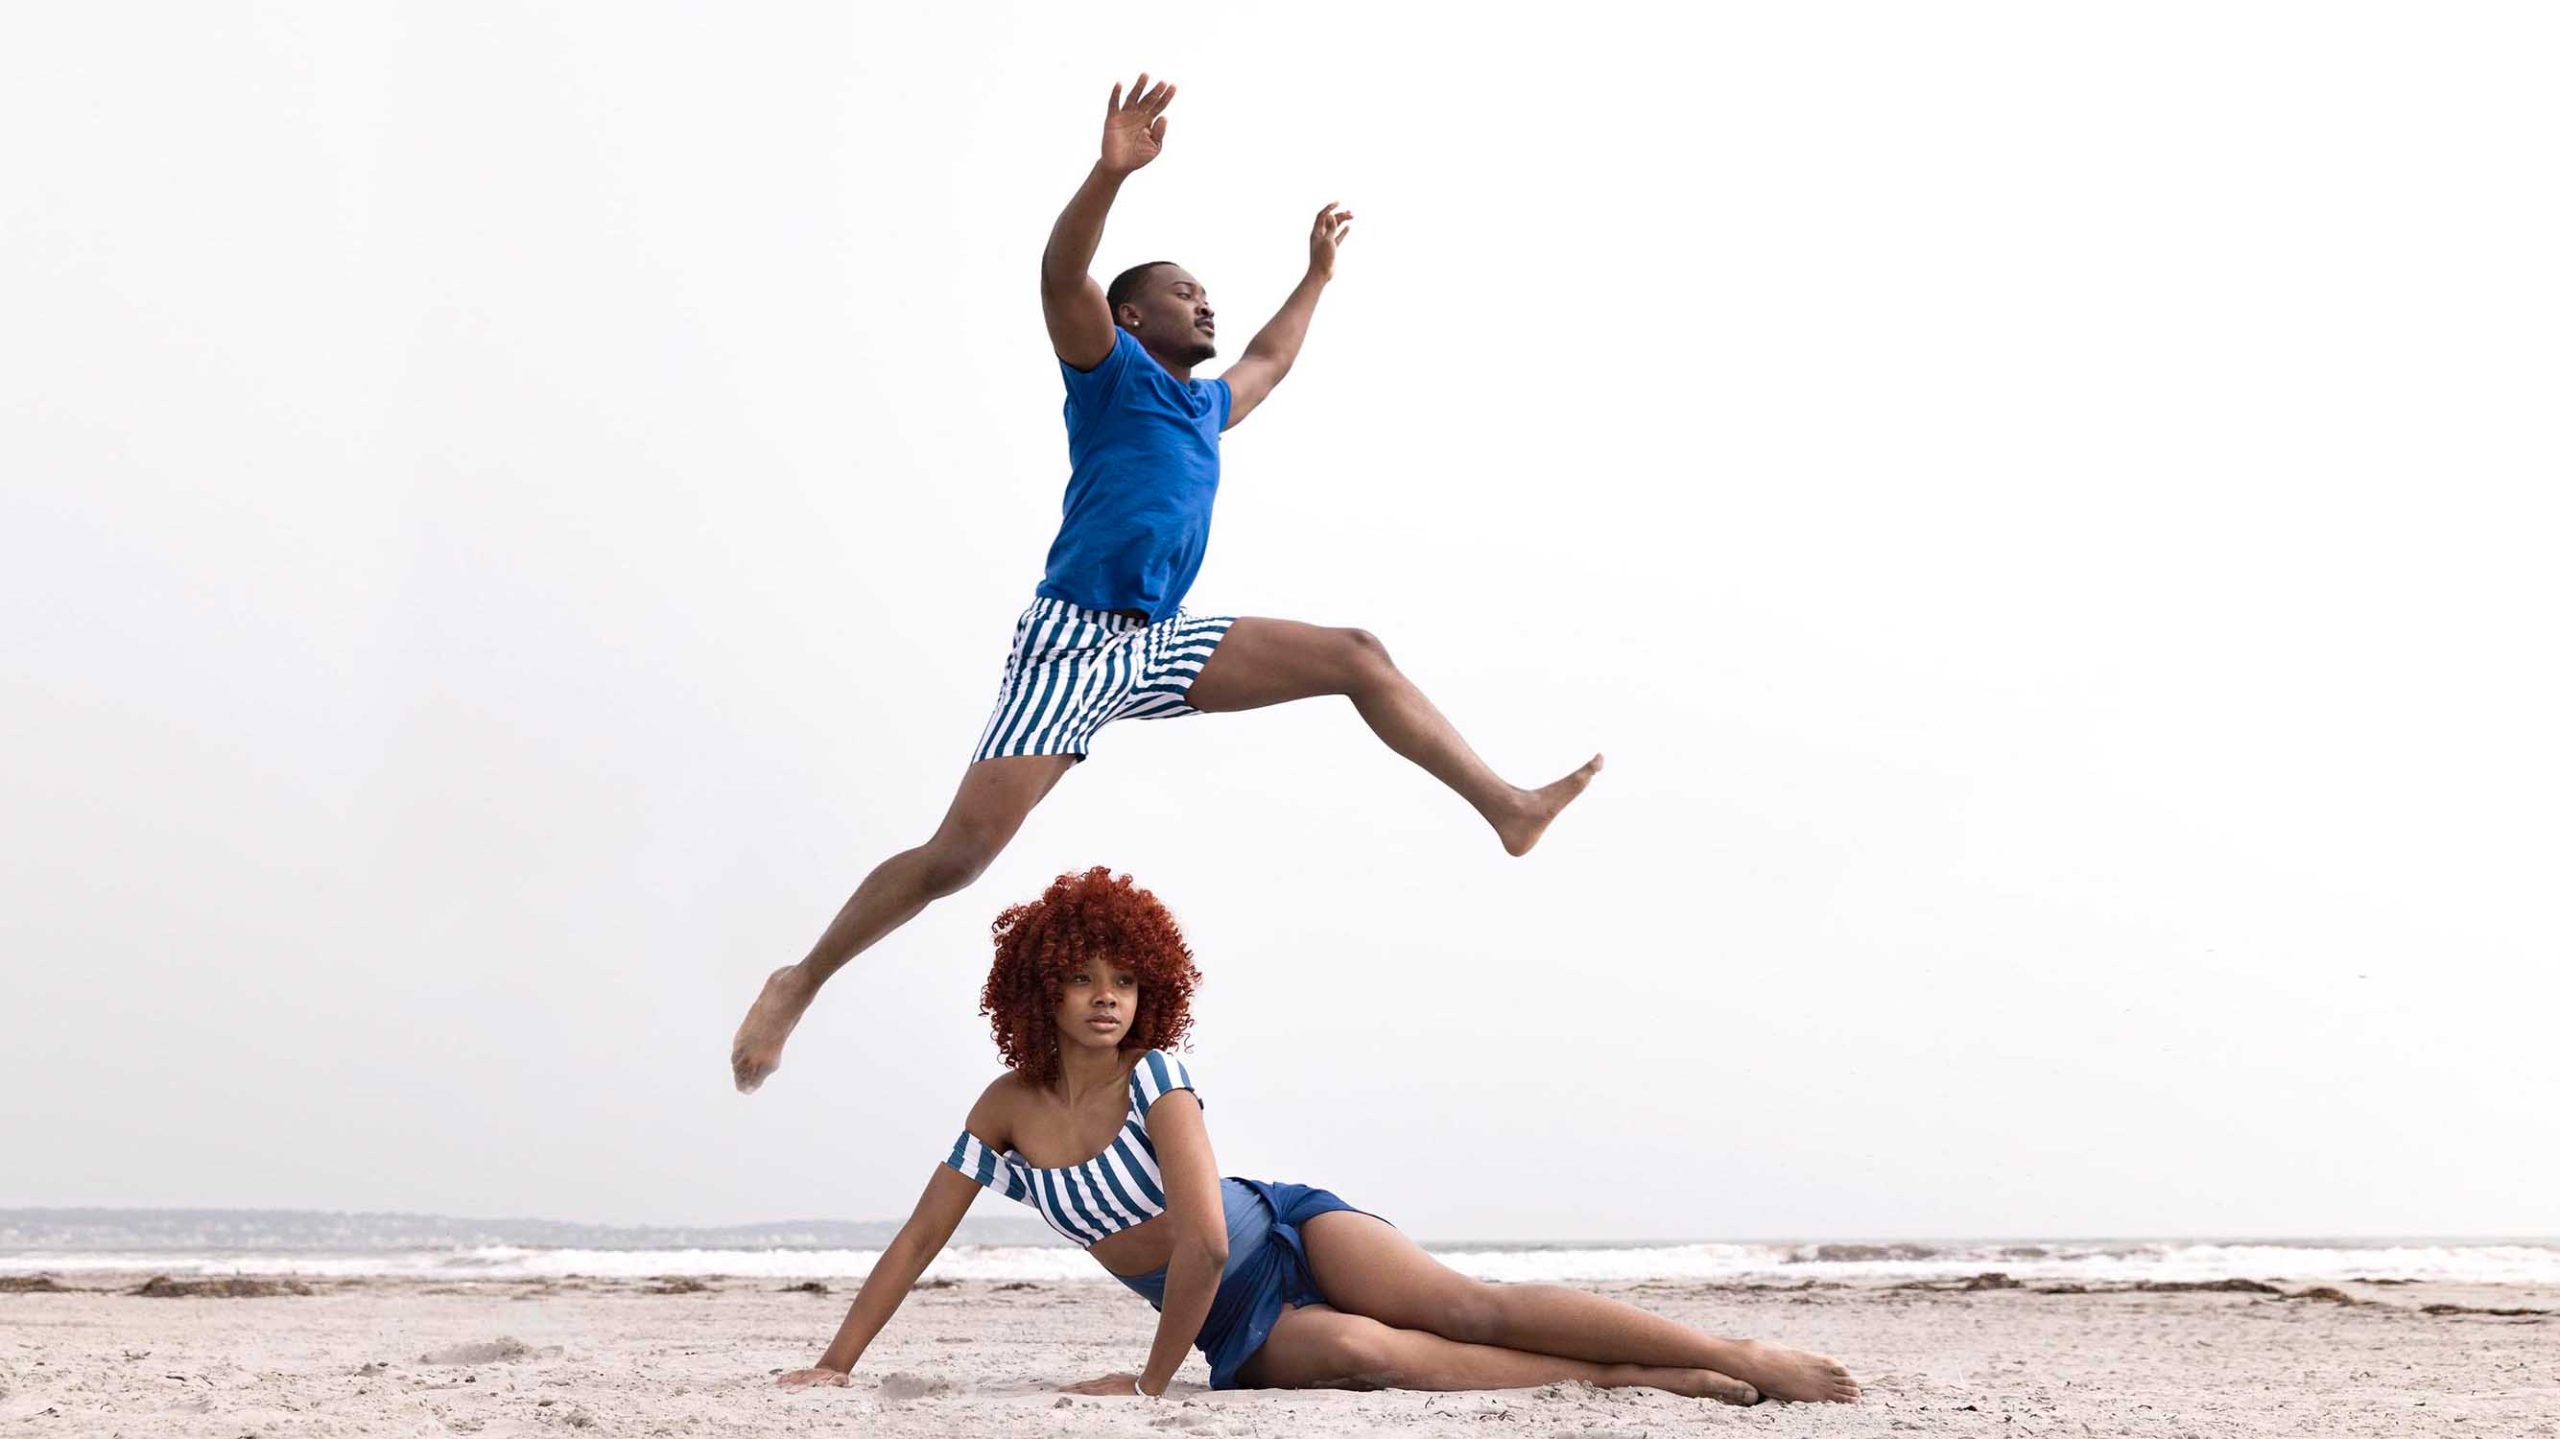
1113, 620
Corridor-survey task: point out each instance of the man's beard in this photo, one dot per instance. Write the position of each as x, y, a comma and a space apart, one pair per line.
1200, 350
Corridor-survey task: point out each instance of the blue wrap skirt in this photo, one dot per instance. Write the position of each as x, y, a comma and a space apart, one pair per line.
1266, 1269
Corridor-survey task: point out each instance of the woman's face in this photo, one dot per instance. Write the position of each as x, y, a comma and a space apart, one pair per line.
1096, 1005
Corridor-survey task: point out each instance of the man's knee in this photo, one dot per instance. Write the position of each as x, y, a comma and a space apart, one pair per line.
1361, 654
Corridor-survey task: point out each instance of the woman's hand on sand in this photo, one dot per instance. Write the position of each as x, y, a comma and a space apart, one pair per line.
814, 1378
1110, 1386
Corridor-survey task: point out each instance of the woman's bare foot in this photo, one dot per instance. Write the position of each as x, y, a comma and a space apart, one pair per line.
1783, 1373
1539, 807
1708, 1384
757, 1051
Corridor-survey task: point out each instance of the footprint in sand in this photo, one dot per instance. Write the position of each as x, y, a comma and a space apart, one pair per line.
906, 1385
501, 1350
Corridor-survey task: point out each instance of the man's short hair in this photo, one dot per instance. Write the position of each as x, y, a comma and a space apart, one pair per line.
1124, 286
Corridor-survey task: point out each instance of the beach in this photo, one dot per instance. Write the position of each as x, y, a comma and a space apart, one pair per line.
84, 1354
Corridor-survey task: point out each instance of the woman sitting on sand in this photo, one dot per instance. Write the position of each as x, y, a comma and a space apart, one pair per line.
1100, 1128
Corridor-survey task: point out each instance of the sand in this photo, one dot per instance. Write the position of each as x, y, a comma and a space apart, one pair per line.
571, 1357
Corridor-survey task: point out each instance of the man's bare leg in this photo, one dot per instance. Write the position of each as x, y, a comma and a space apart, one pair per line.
1268, 662
995, 796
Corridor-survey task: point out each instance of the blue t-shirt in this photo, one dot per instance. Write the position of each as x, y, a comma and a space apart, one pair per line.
1144, 447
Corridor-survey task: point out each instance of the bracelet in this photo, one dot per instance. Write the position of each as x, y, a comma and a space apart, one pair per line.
1137, 1386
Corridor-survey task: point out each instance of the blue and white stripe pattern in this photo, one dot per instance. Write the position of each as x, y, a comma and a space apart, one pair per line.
1074, 670
1120, 1188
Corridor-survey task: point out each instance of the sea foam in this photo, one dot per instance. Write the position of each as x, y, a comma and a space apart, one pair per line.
2035, 1261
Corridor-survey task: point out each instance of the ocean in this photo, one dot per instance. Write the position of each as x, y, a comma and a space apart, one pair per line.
192, 1242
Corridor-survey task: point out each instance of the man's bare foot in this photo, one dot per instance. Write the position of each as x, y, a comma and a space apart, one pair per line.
1708, 1384
1539, 807
757, 1051
1783, 1373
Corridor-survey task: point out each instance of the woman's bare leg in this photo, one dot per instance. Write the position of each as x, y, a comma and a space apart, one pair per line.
1366, 1266
1317, 1347
994, 798
1268, 662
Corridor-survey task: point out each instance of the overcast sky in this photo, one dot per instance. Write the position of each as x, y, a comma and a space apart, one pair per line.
507, 512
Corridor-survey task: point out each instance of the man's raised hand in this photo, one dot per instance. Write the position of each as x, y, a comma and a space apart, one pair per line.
1133, 130
1333, 226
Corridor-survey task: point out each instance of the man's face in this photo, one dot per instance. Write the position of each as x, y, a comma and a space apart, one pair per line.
1171, 316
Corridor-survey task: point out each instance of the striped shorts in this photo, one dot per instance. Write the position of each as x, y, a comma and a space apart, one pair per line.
1074, 670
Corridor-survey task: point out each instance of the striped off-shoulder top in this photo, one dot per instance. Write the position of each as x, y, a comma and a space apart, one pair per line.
1120, 1188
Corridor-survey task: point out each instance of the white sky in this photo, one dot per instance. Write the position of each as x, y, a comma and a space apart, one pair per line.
507, 512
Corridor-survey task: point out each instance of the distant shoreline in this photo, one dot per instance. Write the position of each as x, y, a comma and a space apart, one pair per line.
318, 1246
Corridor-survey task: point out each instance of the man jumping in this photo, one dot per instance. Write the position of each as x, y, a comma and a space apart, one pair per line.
1106, 638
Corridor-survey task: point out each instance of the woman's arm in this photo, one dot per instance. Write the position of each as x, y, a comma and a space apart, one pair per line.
946, 1200
938, 1212
1199, 1212
1193, 1201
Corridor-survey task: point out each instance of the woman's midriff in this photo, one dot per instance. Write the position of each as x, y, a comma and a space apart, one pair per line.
1142, 1248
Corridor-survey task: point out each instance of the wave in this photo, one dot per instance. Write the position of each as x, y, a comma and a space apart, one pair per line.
2087, 1263
2068, 1262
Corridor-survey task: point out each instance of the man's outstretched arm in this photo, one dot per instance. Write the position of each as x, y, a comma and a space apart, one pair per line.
1079, 316
1275, 345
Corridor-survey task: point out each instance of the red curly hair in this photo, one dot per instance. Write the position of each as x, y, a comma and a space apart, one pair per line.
1092, 917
